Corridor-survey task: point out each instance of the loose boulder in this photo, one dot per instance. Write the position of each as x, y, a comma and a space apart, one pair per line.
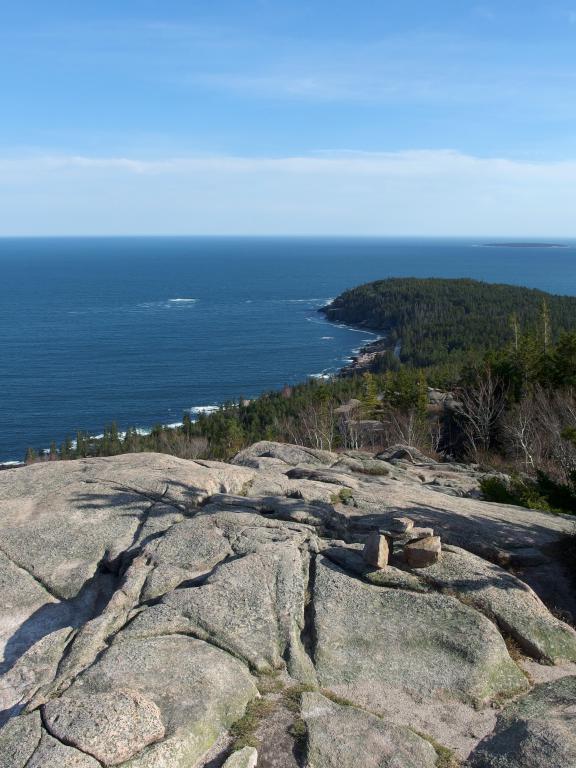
401, 524
423, 552
243, 758
376, 550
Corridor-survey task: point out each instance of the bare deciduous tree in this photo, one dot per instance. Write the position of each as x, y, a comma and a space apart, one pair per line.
316, 426
522, 432
481, 406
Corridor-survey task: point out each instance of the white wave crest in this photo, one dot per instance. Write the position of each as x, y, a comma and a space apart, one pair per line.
204, 408
182, 301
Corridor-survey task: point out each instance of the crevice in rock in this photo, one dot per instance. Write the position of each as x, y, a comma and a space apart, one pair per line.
308, 633
205, 637
27, 763
153, 497
144, 517
95, 635
33, 576
201, 579
75, 613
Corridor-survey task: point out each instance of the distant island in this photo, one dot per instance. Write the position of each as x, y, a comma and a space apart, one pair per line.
524, 245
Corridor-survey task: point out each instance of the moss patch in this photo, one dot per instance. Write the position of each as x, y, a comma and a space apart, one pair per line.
269, 682
445, 757
292, 697
243, 731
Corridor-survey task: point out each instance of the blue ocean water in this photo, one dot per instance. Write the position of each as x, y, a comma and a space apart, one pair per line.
138, 330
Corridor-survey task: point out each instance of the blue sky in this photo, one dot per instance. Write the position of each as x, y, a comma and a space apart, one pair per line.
268, 117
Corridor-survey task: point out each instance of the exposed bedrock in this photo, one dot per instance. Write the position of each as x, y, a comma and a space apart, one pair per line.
161, 613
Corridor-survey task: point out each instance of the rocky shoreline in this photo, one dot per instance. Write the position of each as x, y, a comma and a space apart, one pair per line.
361, 361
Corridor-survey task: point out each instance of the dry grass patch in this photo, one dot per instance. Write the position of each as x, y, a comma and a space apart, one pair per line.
243, 731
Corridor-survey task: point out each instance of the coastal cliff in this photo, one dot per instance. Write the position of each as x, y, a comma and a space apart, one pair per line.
159, 612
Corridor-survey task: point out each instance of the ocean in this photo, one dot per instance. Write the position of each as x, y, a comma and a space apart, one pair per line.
140, 330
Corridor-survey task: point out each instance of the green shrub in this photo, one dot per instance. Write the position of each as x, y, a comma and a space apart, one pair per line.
542, 493
496, 490
344, 496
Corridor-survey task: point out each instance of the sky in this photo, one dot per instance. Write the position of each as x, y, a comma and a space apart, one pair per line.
296, 117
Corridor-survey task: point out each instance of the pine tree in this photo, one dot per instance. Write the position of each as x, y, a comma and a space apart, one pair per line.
563, 361
234, 439
66, 448
546, 326
81, 444
515, 325
421, 394
187, 425
31, 456
369, 398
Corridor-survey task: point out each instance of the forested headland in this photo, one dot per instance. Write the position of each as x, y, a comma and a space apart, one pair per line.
468, 370
438, 321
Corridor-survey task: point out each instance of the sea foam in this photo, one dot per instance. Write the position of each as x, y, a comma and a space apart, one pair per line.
182, 301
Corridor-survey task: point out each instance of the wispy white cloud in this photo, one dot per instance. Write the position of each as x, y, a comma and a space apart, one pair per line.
328, 192
413, 163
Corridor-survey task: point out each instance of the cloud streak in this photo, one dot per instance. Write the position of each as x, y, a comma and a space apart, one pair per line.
415, 163
415, 192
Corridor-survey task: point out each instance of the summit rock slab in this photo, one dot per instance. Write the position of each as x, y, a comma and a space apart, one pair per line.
346, 737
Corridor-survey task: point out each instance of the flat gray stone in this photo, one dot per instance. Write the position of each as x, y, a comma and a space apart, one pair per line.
243, 758
347, 737
34, 670
18, 740
53, 754
25, 605
426, 645
92, 637
539, 731
112, 727
101, 503
251, 606
506, 599
189, 549
200, 690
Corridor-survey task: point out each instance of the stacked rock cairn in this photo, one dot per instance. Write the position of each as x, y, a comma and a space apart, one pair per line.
419, 546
